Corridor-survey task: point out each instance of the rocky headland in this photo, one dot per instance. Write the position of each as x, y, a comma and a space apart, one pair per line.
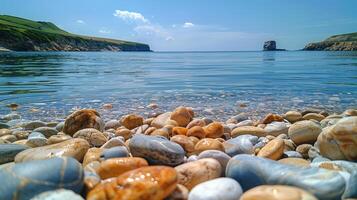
344, 42
297, 155
18, 34
271, 46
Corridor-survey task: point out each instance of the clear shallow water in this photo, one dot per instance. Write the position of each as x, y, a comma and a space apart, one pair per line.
218, 84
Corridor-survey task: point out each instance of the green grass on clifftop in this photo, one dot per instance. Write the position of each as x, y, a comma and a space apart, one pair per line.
349, 37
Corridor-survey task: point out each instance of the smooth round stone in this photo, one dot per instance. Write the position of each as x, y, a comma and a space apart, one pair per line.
91, 178
154, 182
46, 131
295, 161
9, 151
179, 131
9, 138
220, 156
123, 132
273, 150
289, 145
339, 142
25, 180
272, 118
196, 122
196, 131
131, 121
185, 142
93, 154
160, 132
304, 132
156, 150
2, 141
4, 125
248, 130
94, 137
59, 194
75, 148
180, 193
81, 119
251, 171
112, 124
5, 131
59, 126
192, 158
276, 128
36, 139
54, 139
292, 154
277, 192
16, 123
33, 125
208, 144
214, 130
243, 144
141, 129
114, 142
338, 165
114, 167
160, 121
293, 116
219, 188
240, 117
115, 152
314, 116
182, 116
247, 122
303, 149
21, 134
330, 120
9, 117
193, 173
52, 124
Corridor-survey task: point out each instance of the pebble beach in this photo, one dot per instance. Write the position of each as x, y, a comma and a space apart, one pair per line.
180, 155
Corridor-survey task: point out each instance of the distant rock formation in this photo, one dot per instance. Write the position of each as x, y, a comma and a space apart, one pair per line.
344, 42
271, 46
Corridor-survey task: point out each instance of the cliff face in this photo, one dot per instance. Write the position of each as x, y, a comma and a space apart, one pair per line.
19, 34
345, 42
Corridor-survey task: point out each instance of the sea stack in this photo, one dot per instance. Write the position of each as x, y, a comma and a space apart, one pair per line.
271, 46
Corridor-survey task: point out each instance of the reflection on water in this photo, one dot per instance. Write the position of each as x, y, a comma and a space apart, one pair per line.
265, 81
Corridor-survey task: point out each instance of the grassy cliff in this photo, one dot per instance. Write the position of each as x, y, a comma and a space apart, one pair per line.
20, 34
343, 42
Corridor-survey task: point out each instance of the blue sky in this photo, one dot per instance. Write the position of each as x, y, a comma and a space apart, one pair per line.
194, 25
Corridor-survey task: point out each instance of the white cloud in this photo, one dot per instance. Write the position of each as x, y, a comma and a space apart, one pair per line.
188, 25
105, 31
79, 21
156, 31
130, 16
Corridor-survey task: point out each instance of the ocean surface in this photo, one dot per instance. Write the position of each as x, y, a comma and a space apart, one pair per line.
216, 84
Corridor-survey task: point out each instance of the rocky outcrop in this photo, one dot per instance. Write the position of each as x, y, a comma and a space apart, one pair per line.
271, 46
344, 42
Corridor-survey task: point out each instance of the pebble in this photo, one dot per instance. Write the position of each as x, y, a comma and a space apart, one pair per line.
273, 150
214, 130
25, 180
153, 182
21, 134
4, 125
208, 144
179, 131
9, 117
196, 122
36, 139
251, 171
59, 126
123, 132
115, 152
46, 131
243, 144
193, 173
75, 148
54, 139
220, 156
248, 130
293, 116
81, 119
219, 188
292, 154
93, 154
277, 192
131, 121
295, 161
304, 132
94, 137
114, 142
5, 131
272, 118
185, 142
180, 193
303, 149
114, 167
196, 131
160, 121
182, 116
339, 142
9, 138
156, 150
276, 128
9, 151
111, 124
59, 194
33, 125
314, 116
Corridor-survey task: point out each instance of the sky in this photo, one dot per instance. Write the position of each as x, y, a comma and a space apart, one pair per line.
196, 25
